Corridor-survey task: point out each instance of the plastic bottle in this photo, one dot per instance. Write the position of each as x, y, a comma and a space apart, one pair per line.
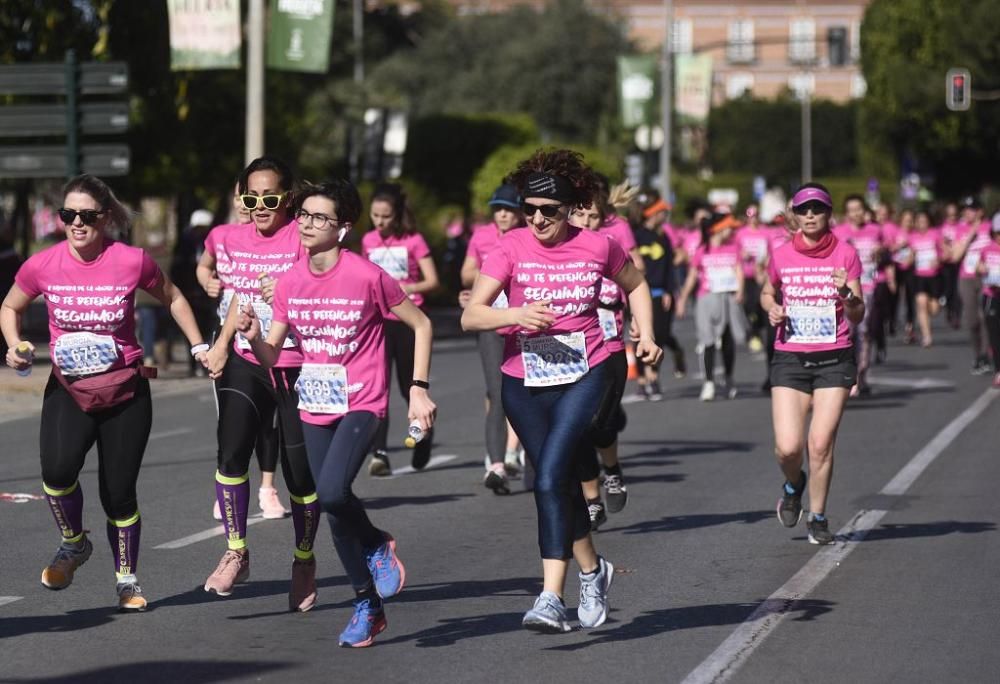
24, 351
415, 434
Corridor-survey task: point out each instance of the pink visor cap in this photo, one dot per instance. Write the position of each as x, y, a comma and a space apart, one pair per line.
809, 194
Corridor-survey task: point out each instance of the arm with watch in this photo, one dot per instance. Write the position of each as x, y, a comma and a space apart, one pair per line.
850, 293
421, 407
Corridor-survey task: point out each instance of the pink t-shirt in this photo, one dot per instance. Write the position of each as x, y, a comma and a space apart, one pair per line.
927, 250
337, 317
612, 311
967, 267
898, 240
673, 234
718, 268
483, 241
989, 256
950, 232
568, 274
251, 254
867, 239
753, 248
91, 305
398, 256
690, 241
815, 312
215, 243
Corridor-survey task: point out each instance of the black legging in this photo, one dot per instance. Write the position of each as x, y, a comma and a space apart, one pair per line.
249, 396
878, 317
904, 285
608, 422
751, 307
728, 356
121, 433
399, 340
663, 321
991, 319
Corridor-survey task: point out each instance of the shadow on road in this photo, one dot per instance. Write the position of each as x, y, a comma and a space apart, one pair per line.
683, 448
382, 502
452, 630
250, 590
187, 671
935, 529
677, 523
449, 591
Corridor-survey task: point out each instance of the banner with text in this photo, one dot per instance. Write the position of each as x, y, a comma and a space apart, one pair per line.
204, 34
299, 36
636, 89
693, 88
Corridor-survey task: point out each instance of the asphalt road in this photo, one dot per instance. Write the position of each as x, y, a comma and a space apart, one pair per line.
709, 586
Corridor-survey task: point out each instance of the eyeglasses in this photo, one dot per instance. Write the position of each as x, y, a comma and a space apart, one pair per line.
815, 206
548, 210
317, 221
88, 216
271, 202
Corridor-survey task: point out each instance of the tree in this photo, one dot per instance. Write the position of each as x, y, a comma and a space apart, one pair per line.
907, 46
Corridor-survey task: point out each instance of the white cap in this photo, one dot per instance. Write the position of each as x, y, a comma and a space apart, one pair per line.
201, 217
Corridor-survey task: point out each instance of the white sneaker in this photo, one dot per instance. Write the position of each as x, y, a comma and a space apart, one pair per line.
270, 505
707, 391
216, 511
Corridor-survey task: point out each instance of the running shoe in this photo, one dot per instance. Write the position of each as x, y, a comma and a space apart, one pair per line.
598, 515
548, 615
130, 598
881, 356
302, 595
496, 479
59, 573
216, 511
421, 454
639, 394
615, 493
368, 620
512, 462
233, 569
379, 465
707, 391
730, 388
980, 366
593, 609
387, 571
790, 505
680, 366
819, 531
653, 391
270, 505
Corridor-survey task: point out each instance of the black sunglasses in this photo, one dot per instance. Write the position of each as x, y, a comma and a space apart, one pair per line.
815, 206
88, 216
548, 210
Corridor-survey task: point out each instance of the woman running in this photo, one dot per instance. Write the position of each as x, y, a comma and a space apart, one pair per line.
98, 391
817, 278
989, 269
501, 441
716, 270
973, 235
752, 238
554, 362
902, 261
928, 247
396, 246
336, 304
214, 274
250, 395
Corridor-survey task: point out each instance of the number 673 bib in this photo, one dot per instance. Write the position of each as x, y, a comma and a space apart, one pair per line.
322, 388
554, 360
83, 353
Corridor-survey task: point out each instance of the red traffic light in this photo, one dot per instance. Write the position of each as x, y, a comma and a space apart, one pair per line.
958, 90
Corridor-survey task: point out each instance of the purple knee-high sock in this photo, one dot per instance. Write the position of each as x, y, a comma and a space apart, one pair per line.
305, 517
67, 509
123, 536
234, 502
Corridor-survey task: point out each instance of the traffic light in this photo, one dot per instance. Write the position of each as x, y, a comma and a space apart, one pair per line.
836, 45
958, 90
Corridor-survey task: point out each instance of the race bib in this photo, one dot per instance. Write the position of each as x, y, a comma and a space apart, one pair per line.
970, 261
501, 301
224, 302
84, 353
811, 324
868, 274
927, 260
322, 388
265, 315
992, 277
608, 323
903, 254
392, 260
721, 279
554, 360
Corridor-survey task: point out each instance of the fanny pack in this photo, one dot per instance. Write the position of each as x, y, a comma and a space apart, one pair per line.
822, 359
104, 390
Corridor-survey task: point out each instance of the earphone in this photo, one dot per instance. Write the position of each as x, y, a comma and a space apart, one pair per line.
342, 233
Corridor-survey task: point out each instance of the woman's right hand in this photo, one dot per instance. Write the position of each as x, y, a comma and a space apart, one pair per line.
776, 315
15, 360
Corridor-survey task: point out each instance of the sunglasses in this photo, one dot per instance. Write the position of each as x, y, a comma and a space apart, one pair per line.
548, 210
815, 206
88, 216
270, 202
317, 221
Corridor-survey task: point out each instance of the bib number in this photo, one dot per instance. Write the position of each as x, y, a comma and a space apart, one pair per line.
926, 260
970, 261
721, 279
554, 360
392, 260
85, 353
224, 302
265, 315
608, 323
811, 324
322, 388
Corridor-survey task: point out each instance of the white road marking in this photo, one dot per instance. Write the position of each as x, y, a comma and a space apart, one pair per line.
169, 433
727, 659
216, 531
4, 600
408, 470
915, 383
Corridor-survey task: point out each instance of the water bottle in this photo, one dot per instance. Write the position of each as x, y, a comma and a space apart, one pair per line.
24, 351
414, 434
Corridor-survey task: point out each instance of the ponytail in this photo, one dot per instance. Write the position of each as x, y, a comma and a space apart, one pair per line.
403, 220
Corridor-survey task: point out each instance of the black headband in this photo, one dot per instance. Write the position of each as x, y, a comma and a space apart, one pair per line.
550, 187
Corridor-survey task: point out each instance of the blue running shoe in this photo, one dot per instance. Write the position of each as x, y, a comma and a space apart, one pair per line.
387, 571
548, 615
367, 621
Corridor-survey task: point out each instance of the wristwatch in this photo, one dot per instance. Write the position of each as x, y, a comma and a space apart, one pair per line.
423, 384
848, 296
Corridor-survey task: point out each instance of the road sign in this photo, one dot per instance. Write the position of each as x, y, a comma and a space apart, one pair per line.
49, 161
96, 78
95, 118
958, 90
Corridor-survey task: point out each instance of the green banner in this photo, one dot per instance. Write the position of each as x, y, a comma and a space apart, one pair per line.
299, 35
204, 34
636, 89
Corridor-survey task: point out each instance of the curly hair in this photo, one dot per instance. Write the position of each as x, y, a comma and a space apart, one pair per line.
555, 162
343, 194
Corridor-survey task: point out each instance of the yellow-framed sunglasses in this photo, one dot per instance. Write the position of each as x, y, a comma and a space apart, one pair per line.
271, 202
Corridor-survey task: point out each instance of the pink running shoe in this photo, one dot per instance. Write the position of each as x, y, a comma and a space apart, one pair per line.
234, 568
270, 505
302, 595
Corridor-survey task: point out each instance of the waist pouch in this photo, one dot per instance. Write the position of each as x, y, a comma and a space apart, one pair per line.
104, 390
822, 359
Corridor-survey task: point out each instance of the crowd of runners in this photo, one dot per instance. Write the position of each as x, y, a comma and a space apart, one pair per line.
570, 285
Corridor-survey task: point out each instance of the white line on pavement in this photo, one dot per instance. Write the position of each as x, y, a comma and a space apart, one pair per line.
915, 383
727, 659
216, 531
4, 600
169, 433
409, 470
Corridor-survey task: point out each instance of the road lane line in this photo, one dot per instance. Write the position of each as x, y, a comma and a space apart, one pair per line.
169, 433
4, 600
216, 531
727, 659
409, 470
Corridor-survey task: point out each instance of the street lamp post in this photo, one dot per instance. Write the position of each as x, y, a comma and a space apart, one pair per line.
666, 101
254, 142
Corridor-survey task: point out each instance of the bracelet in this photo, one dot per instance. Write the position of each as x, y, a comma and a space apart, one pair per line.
423, 384
199, 348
